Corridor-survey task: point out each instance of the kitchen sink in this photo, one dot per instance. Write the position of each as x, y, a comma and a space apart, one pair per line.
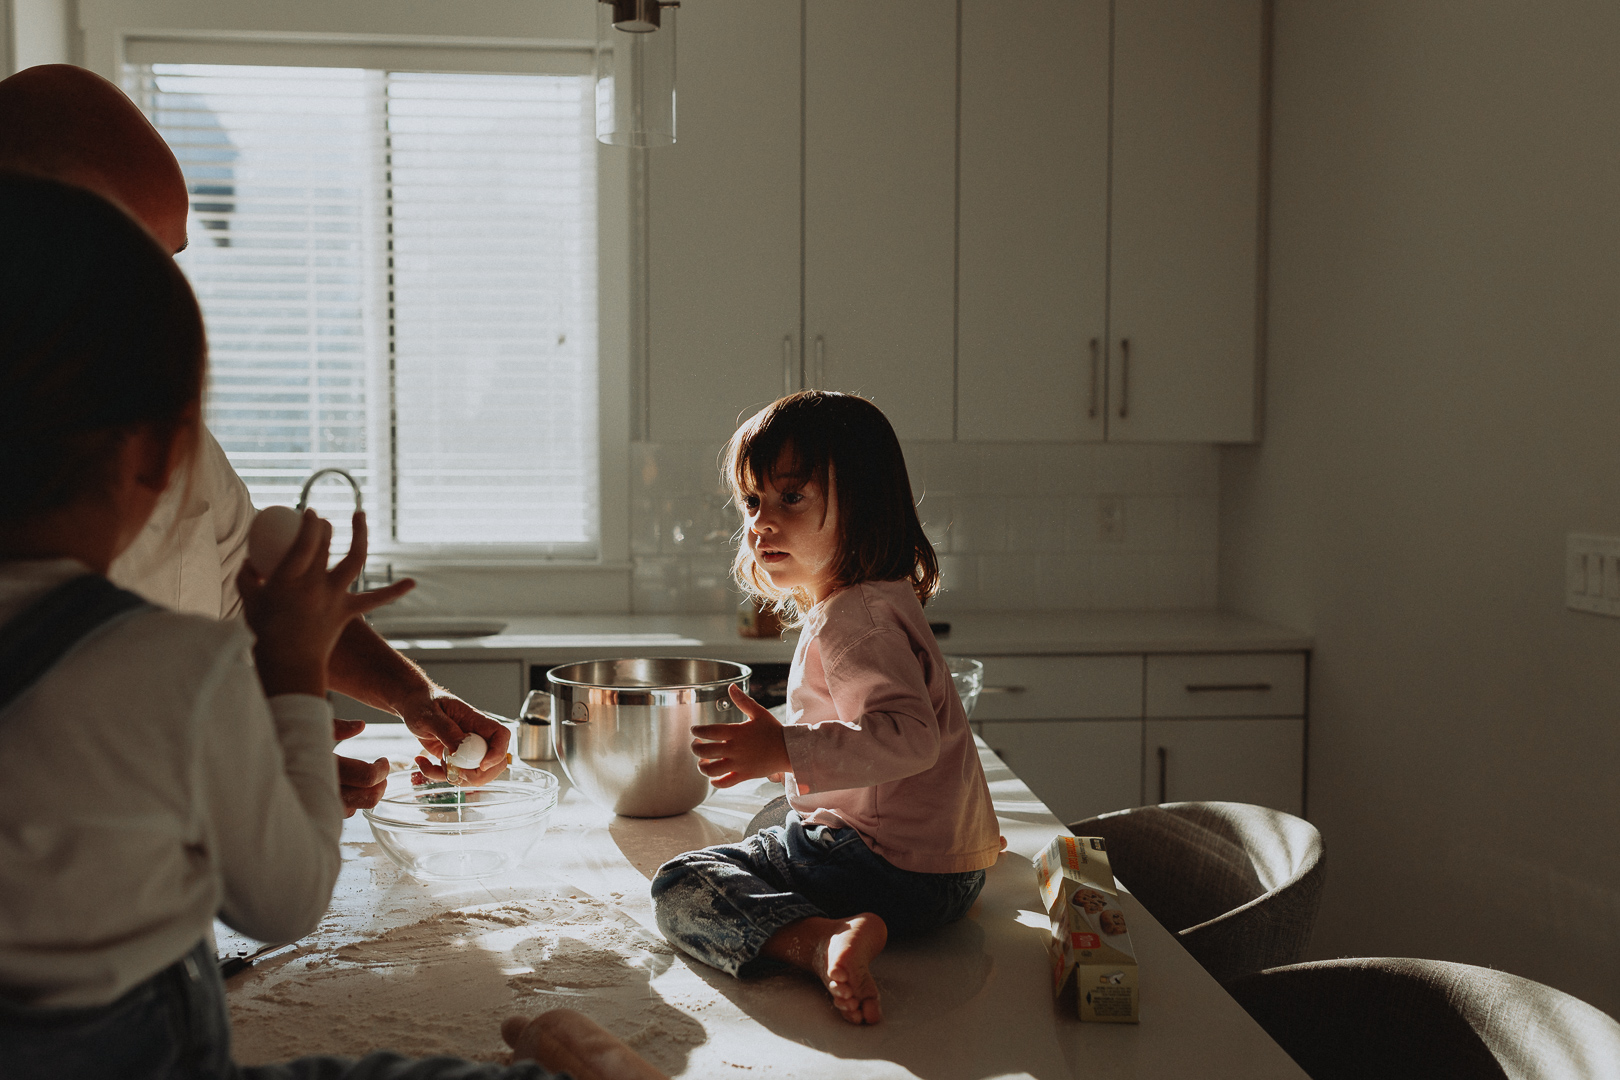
441, 626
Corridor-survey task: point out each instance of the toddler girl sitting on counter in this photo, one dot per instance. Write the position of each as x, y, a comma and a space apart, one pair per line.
892, 826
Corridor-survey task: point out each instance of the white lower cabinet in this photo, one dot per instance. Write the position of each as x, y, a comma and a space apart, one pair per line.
1060, 688
1090, 734
1078, 768
495, 686
1260, 761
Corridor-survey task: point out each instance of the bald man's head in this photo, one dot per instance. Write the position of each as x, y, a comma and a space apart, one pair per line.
72, 125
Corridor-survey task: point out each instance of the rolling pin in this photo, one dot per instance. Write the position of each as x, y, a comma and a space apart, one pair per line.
567, 1041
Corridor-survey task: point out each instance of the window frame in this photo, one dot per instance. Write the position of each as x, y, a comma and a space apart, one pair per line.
516, 38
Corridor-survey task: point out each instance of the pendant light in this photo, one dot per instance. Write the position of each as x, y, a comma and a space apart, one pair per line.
635, 72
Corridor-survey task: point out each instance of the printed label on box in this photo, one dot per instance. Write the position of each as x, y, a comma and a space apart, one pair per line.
1090, 942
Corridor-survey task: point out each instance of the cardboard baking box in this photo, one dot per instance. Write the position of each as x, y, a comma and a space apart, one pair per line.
1089, 940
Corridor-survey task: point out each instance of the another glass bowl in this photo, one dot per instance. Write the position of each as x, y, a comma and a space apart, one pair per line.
439, 831
968, 678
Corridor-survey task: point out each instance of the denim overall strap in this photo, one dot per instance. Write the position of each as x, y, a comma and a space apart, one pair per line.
33, 642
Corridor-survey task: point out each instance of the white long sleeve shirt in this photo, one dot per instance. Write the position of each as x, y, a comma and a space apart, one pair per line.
187, 556
149, 785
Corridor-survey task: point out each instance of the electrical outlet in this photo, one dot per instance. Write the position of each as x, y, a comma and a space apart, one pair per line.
1592, 573
1111, 519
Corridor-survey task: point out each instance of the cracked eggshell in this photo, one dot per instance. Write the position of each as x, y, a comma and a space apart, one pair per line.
273, 531
470, 753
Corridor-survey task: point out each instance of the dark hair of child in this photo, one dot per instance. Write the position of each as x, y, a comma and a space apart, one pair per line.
848, 439
99, 334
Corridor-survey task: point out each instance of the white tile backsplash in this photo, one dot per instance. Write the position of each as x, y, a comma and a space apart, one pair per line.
1014, 526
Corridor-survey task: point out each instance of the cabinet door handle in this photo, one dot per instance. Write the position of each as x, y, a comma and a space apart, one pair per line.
790, 378
1091, 409
1221, 688
1164, 773
821, 363
1124, 377
1003, 690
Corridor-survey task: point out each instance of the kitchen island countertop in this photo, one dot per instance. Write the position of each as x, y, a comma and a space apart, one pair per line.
433, 967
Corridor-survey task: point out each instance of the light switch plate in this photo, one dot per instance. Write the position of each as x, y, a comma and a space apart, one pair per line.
1111, 519
1592, 573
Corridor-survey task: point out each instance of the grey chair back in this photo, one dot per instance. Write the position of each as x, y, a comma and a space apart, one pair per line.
1238, 884
1411, 1019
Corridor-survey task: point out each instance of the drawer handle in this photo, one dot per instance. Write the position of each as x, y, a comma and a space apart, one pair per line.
1124, 377
1218, 688
1091, 408
1004, 690
1164, 773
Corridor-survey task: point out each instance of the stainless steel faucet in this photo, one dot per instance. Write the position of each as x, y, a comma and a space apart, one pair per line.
303, 493
369, 578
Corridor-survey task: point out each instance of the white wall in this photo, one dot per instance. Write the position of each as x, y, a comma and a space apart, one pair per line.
1443, 406
35, 32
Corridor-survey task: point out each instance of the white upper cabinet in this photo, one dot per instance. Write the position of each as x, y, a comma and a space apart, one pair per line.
1034, 220
1044, 229
723, 222
880, 206
1108, 277
1185, 220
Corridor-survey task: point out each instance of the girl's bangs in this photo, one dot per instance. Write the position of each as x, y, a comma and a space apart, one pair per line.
758, 451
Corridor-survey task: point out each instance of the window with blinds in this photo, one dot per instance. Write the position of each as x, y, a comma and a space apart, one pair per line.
398, 274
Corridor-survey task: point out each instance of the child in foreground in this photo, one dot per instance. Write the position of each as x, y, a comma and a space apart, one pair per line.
891, 827
157, 774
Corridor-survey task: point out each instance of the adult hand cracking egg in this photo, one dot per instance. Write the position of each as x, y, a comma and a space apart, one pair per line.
443, 723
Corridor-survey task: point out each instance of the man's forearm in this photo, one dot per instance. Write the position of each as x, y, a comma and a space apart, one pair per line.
368, 669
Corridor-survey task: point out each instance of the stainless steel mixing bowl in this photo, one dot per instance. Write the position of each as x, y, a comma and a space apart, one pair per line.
623, 728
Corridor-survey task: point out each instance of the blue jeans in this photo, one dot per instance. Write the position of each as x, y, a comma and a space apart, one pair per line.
721, 904
174, 1026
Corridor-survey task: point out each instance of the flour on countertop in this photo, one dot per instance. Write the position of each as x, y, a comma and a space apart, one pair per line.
443, 985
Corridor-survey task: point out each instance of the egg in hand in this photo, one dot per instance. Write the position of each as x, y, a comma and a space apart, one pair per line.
470, 754
273, 531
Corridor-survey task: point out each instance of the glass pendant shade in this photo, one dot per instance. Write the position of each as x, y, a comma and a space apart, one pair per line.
635, 72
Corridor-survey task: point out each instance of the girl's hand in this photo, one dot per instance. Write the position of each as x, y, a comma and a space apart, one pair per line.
728, 754
301, 609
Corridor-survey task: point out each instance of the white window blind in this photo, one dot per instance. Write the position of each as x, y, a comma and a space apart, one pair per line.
398, 274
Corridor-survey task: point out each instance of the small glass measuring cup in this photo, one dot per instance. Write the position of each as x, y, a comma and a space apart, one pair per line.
534, 728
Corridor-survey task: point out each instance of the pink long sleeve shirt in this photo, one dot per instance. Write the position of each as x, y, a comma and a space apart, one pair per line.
878, 738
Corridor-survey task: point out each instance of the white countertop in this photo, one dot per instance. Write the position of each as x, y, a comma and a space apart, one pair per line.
969, 1003
558, 638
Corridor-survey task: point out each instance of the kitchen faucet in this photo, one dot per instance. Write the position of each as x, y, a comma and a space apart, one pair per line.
303, 493
368, 578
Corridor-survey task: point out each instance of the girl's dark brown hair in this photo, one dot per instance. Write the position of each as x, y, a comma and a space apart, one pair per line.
99, 334
849, 439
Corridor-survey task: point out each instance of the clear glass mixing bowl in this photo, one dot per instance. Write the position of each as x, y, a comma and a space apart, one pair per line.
439, 831
968, 678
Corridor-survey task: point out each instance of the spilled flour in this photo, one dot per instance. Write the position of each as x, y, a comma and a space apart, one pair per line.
444, 984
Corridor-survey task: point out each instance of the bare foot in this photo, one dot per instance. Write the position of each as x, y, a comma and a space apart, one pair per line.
839, 952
